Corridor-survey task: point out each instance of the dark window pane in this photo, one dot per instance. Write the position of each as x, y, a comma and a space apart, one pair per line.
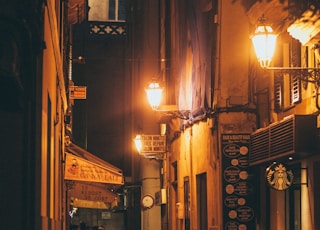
112, 8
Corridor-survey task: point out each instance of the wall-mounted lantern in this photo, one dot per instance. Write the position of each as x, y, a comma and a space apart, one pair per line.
264, 41
154, 95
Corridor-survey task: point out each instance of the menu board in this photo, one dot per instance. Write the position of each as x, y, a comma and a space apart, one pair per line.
238, 197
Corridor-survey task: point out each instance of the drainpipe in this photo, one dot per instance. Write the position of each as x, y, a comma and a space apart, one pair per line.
70, 63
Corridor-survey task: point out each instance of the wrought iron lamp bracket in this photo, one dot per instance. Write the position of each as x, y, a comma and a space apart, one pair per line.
176, 114
172, 111
306, 75
157, 156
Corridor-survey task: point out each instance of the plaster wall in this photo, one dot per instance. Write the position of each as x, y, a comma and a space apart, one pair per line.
51, 124
197, 150
195, 154
232, 77
150, 177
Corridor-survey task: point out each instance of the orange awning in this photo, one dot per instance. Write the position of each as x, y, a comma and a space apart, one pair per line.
80, 165
93, 180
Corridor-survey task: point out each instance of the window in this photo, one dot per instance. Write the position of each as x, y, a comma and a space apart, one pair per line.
106, 10
287, 91
287, 86
202, 201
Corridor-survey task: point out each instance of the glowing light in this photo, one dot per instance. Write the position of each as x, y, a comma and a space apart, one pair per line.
154, 94
138, 143
264, 42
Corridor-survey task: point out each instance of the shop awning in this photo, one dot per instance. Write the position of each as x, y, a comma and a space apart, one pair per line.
80, 165
93, 181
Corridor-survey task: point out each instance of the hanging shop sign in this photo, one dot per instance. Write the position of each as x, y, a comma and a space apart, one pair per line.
279, 176
78, 203
77, 92
92, 195
92, 192
153, 144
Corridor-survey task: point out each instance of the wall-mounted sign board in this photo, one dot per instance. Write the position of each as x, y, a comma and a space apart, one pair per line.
77, 92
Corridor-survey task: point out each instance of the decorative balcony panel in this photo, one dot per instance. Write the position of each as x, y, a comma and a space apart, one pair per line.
107, 28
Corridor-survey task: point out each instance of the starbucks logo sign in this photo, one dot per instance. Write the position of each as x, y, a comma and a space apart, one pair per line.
279, 177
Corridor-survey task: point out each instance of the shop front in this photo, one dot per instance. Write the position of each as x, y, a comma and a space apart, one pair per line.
285, 157
92, 186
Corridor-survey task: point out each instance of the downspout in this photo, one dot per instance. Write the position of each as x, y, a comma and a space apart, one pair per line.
70, 62
162, 43
217, 67
163, 72
70, 82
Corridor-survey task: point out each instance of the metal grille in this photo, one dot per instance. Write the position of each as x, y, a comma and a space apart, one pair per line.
259, 145
282, 137
107, 28
293, 136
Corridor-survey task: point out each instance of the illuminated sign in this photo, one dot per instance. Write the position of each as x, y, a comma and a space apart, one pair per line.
77, 92
278, 176
79, 169
153, 144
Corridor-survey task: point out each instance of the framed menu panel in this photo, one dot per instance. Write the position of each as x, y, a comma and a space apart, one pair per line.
238, 197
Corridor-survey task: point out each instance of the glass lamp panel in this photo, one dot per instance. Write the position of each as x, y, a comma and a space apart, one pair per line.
138, 143
264, 42
154, 94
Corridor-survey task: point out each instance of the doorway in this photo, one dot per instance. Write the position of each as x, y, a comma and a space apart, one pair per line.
202, 201
186, 196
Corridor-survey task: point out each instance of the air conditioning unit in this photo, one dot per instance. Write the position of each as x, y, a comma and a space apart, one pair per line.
294, 136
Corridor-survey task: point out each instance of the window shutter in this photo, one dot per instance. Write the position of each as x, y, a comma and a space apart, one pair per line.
295, 90
278, 93
295, 83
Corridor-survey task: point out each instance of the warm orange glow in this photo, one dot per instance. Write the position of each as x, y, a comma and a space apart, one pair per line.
264, 42
306, 28
138, 143
154, 94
